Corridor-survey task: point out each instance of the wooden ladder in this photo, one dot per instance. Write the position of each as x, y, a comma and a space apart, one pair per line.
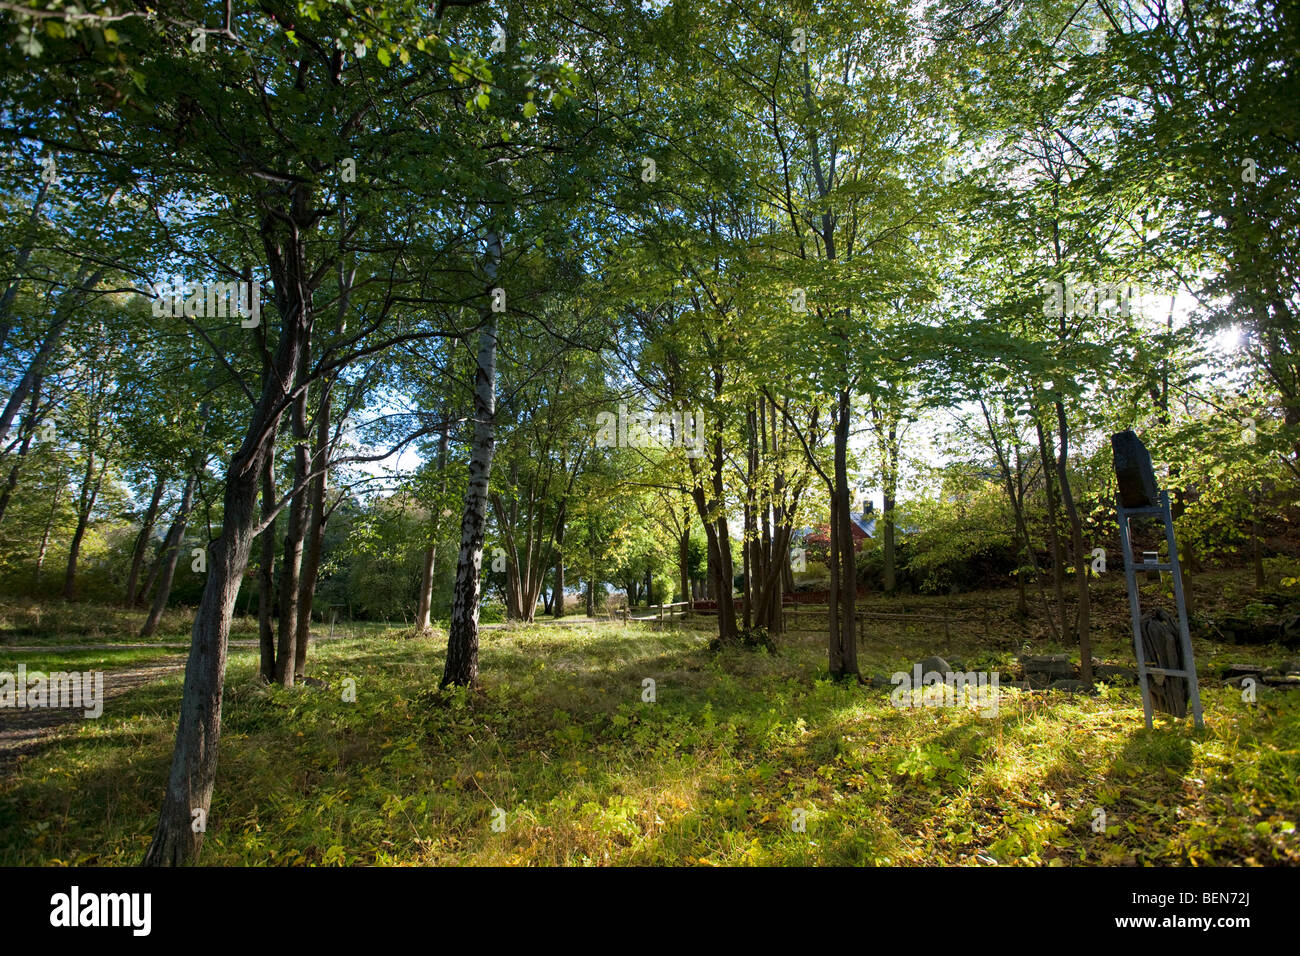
1131, 568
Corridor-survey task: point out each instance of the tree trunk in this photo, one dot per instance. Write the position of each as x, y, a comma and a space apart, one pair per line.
1076, 536
68, 304
557, 596
45, 534
1053, 529
315, 533
142, 540
194, 759
424, 606
684, 558
294, 534
19, 264
461, 667
844, 650
89, 493
1256, 541
26, 432
890, 495
266, 575
171, 554
711, 509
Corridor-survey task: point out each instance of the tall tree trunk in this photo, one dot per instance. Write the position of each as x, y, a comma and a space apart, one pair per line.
1053, 528
684, 558
890, 495
844, 648
424, 604
748, 541
711, 508
461, 667
26, 432
424, 607
198, 733
45, 533
69, 302
557, 596
315, 533
266, 575
1080, 558
143, 538
89, 494
1016, 494
171, 555
19, 264
1257, 540
294, 534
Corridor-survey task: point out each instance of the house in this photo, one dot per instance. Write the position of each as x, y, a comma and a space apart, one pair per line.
862, 526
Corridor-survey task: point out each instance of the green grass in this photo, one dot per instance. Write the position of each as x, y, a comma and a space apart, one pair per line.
709, 774
105, 659
28, 622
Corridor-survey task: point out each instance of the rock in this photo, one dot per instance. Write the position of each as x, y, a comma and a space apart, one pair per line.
1112, 674
1282, 681
1289, 667
1133, 471
936, 664
1042, 669
1243, 670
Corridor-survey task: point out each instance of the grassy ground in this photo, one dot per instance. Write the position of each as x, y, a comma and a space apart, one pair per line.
711, 773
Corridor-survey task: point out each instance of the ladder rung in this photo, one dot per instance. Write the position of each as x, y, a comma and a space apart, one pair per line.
1168, 672
1148, 510
1157, 566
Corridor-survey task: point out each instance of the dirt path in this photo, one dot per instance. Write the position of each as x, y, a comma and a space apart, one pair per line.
166, 646
24, 731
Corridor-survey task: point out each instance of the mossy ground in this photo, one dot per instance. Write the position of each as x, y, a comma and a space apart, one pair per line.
711, 773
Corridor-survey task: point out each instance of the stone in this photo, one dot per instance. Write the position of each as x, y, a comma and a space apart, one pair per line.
1046, 666
1244, 670
1112, 674
935, 664
1286, 681
1133, 471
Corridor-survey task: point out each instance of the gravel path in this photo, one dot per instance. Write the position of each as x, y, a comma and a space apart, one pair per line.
24, 731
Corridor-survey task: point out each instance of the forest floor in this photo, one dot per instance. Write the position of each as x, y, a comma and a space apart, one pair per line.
558, 759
